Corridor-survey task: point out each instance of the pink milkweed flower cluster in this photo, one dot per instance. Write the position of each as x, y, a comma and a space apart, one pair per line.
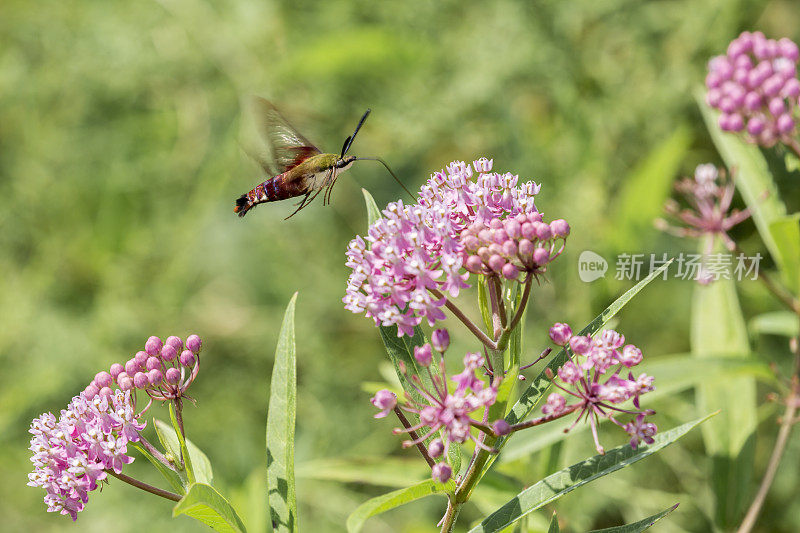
72, 453
594, 376
709, 195
755, 86
520, 243
415, 253
446, 408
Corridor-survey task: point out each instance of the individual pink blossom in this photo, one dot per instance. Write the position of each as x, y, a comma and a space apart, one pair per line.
593, 380
385, 400
755, 87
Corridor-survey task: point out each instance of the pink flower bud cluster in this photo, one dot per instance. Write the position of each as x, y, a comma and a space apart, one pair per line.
163, 369
522, 243
755, 86
72, 453
594, 377
446, 409
414, 253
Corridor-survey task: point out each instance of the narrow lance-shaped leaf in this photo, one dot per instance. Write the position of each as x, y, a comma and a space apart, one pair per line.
718, 330
560, 483
391, 500
638, 527
205, 504
184, 450
554, 525
170, 475
280, 429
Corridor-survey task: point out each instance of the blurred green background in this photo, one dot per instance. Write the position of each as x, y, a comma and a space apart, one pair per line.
121, 155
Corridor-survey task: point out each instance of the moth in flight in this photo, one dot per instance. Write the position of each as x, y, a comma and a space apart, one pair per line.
298, 169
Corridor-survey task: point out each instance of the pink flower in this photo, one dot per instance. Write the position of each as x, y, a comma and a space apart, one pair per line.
384, 400
592, 378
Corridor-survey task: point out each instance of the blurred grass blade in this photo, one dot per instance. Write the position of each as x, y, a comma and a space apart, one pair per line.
183, 450
205, 504
560, 483
718, 330
386, 502
201, 466
639, 526
370, 470
280, 429
554, 525
775, 323
754, 181
170, 475
483, 302
645, 189
531, 396
785, 232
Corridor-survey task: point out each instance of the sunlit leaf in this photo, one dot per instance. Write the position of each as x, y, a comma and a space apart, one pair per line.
637, 527
205, 504
387, 502
200, 462
171, 476
280, 429
783, 323
560, 483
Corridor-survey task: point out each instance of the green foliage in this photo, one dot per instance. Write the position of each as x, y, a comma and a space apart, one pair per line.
205, 504
560, 483
641, 525
280, 429
201, 466
387, 502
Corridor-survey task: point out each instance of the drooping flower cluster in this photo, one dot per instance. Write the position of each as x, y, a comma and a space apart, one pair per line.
443, 408
709, 195
72, 453
521, 243
594, 377
415, 252
755, 86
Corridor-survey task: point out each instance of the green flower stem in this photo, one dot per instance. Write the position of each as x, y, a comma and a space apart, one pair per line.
449, 519
145, 487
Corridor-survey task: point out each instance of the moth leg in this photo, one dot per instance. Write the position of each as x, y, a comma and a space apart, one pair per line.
329, 189
302, 203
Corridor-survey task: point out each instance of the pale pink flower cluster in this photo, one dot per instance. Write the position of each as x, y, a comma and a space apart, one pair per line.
414, 254
593, 377
72, 453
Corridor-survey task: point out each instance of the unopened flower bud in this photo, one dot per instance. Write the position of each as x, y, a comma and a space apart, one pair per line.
541, 256
153, 346
580, 344
559, 227
187, 358
102, 379
116, 369
509, 271
106, 391
385, 400
560, 333
140, 380
91, 391
194, 343
441, 472
125, 383
436, 448
169, 352
175, 342
140, 358
173, 375
501, 427
153, 363
155, 376
423, 354
440, 340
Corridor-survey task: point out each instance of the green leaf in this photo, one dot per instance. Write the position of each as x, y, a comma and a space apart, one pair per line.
183, 450
169, 439
775, 323
785, 232
205, 504
384, 471
280, 429
754, 181
483, 302
639, 526
560, 483
373, 212
386, 502
170, 475
646, 188
554, 525
718, 330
